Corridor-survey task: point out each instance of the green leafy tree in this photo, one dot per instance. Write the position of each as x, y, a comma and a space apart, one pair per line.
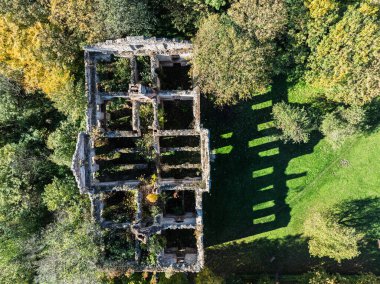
207, 276
70, 252
17, 258
263, 20
217, 4
61, 194
126, 17
183, 15
293, 48
24, 170
293, 122
177, 278
327, 238
62, 141
11, 97
228, 63
343, 123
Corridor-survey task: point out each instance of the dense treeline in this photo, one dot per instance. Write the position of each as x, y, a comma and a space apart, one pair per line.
45, 229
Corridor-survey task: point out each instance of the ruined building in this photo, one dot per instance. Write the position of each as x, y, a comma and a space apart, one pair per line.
144, 158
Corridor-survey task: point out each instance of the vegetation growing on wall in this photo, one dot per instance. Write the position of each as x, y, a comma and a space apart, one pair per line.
327, 54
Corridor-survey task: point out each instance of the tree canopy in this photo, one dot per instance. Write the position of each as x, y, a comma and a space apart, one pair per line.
346, 61
228, 63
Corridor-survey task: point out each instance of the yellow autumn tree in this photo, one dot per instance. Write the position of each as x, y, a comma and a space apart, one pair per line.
346, 62
21, 52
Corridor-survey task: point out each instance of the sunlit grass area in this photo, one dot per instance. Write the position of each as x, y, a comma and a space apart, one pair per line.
263, 189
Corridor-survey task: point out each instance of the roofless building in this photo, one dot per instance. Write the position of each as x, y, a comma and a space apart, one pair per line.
144, 158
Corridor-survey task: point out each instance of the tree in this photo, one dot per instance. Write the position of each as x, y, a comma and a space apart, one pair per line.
25, 12
263, 20
293, 122
71, 101
346, 62
22, 49
183, 15
217, 4
322, 277
327, 238
293, 48
207, 276
342, 123
70, 252
24, 170
62, 141
323, 14
11, 96
79, 18
176, 278
23, 114
17, 258
61, 194
228, 63
126, 17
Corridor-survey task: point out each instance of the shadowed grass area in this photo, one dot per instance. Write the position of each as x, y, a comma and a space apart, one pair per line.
263, 189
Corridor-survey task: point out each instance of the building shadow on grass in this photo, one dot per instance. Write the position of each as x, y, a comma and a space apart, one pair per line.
249, 179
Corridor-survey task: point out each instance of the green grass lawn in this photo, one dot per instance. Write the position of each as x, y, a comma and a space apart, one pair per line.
262, 190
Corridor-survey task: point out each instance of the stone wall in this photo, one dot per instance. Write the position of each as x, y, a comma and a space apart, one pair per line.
86, 168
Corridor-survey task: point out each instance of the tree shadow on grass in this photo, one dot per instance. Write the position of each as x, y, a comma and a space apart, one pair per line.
362, 214
288, 255
249, 179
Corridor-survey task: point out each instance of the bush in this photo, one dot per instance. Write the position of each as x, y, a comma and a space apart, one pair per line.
293, 122
342, 123
154, 246
330, 239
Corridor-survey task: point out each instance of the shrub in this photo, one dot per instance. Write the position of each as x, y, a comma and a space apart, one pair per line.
327, 238
342, 123
154, 246
145, 147
293, 122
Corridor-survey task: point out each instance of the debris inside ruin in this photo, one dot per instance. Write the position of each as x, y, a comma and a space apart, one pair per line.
144, 159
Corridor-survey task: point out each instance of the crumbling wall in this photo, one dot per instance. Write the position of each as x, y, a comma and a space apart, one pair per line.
84, 163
